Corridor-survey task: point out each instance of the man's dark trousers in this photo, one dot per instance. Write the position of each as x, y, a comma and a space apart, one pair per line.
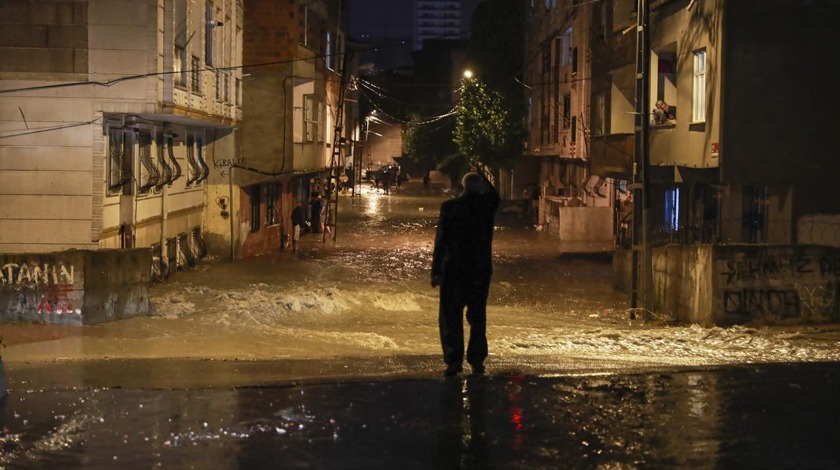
456, 295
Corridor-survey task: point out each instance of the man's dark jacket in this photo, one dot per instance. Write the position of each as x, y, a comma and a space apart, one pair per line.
463, 244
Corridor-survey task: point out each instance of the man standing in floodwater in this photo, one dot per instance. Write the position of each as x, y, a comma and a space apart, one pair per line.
462, 266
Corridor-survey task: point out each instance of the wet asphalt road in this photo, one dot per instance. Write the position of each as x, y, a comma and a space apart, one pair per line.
188, 390
769, 416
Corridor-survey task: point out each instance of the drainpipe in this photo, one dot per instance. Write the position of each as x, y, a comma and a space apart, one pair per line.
233, 215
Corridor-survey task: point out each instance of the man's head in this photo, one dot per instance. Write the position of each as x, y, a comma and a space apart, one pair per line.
472, 183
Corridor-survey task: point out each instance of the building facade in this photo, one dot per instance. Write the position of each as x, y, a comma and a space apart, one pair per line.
575, 203
112, 116
294, 58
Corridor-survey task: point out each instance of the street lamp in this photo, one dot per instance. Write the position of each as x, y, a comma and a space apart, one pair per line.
468, 74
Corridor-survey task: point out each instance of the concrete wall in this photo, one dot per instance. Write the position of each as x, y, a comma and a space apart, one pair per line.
75, 287
736, 284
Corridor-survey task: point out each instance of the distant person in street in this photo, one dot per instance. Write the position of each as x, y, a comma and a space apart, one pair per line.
462, 266
298, 221
316, 206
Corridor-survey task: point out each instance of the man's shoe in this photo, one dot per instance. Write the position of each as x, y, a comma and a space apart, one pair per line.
452, 370
477, 369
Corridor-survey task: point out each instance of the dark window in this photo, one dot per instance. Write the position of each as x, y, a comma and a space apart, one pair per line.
254, 202
567, 111
272, 197
195, 74
120, 161
209, 25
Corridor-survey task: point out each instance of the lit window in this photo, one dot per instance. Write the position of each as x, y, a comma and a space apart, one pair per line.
698, 112
672, 209
329, 53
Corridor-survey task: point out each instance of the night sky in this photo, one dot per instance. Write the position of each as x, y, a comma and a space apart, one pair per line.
384, 27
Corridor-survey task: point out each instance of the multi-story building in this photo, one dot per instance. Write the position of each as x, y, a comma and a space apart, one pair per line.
574, 203
442, 19
717, 174
293, 101
114, 116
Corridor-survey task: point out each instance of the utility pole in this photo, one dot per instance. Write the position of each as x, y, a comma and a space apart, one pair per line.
642, 265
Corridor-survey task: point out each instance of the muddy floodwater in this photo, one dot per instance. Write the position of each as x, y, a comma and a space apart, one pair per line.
329, 358
367, 295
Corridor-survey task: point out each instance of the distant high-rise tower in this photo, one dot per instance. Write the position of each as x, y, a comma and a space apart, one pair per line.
441, 19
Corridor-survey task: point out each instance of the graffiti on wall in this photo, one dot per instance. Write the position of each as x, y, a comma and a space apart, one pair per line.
780, 286
33, 276
45, 288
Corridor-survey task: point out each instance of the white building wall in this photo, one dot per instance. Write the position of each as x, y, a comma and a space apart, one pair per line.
53, 150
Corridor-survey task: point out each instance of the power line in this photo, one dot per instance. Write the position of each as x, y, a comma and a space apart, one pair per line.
49, 129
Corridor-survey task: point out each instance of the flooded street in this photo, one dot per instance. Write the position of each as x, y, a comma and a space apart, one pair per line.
368, 295
330, 359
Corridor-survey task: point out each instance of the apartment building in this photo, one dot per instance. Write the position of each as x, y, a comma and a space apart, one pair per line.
728, 171
114, 116
575, 204
294, 103
717, 171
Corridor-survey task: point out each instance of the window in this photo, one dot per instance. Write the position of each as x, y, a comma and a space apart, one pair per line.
698, 107
319, 121
567, 110
209, 25
309, 118
120, 161
754, 214
329, 52
574, 129
566, 51
272, 196
148, 173
195, 74
254, 209
546, 58
238, 92
672, 209
574, 61
664, 88
179, 65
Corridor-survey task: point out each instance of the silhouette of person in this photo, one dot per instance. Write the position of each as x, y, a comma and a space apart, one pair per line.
316, 208
462, 266
298, 221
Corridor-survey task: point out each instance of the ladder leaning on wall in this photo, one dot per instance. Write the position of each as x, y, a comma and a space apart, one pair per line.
333, 178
